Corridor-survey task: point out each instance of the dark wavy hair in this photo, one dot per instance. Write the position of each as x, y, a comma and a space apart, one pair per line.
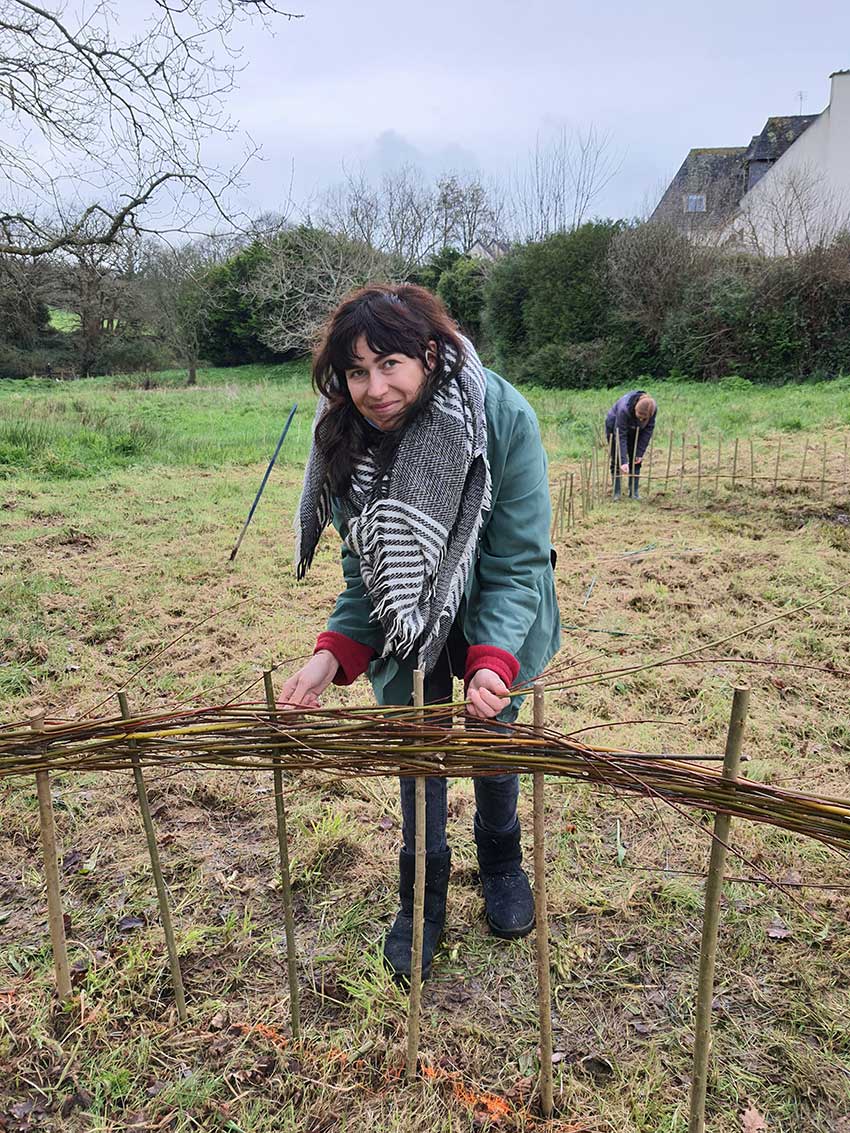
394, 319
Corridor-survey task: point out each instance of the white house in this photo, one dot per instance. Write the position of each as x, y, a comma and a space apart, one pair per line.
787, 191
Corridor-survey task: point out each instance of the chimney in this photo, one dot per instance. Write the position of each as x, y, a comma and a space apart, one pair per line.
839, 94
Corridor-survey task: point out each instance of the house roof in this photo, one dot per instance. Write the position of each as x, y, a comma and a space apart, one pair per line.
777, 135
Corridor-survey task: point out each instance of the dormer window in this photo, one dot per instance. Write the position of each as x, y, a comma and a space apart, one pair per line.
695, 202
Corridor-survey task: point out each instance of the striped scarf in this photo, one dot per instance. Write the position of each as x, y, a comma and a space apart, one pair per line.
415, 524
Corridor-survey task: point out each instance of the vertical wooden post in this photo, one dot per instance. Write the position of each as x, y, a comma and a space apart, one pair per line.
823, 471
562, 505
719, 462
617, 476
649, 471
634, 466
735, 464
55, 916
776, 466
541, 920
844, 465
803, 465
285, 880
699, 465
669, 458
414, 1009
682, 469
752, 467
711, 919
571, 514
156, 870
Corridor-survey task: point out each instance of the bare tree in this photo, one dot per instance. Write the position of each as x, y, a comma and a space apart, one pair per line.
561, 180
307, 273
94, 127
790, 213
179, 296
408, 218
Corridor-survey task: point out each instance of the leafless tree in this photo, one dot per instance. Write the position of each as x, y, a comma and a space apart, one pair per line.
790, 213
562, 178
307, 273
408, 218
95, 127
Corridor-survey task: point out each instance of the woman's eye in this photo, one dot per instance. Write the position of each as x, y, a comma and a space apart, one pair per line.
390, 362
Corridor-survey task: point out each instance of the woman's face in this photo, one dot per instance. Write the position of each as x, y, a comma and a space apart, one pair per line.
383, 386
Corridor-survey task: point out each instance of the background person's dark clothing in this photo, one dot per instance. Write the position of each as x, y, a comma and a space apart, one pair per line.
621, 425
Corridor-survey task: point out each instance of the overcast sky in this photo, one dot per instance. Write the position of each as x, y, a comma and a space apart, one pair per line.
470, 84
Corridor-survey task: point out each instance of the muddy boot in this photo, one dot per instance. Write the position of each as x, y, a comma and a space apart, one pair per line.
398, 943
507, 893
616, 493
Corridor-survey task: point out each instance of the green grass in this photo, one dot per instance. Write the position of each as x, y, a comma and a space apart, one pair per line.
65, 321
118, 512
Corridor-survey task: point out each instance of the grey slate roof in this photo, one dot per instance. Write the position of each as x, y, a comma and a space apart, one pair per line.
717, 173
778, 134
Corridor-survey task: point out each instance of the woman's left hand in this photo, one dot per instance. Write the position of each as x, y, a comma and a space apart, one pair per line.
486, 695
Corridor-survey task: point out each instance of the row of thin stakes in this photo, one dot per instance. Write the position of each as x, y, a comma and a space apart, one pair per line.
529, 751
686, 463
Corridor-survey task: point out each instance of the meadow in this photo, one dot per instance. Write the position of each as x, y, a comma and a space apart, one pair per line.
120, 501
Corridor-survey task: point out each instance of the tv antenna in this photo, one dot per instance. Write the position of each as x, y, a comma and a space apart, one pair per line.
801, 95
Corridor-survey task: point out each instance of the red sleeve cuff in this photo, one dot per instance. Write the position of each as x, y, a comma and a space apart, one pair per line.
353, 657
499, 661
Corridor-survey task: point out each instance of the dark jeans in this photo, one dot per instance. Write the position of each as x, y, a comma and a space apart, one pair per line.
624, 458
495, 795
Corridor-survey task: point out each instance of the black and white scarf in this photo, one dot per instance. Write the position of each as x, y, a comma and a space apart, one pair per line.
414, 525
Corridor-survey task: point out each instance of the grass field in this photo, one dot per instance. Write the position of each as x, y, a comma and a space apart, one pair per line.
119, 506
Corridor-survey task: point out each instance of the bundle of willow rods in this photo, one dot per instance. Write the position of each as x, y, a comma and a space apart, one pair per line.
401, 741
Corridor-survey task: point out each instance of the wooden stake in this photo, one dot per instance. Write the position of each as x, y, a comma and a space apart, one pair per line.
752, 467
803, 466
682, 469
633, 469
562, 505
823, 471
571, 514
156, 869
719, 461
669, 458
649, 470
617, 474
415, 1005
711, 919
541, 920
844, 465
735, 464
55, 916
699, 465
776, 466
285, 879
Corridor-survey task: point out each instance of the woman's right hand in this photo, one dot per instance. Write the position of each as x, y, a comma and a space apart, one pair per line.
303, 689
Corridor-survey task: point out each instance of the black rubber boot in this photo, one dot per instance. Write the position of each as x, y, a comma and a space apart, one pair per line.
398, 944
507, 894
616, 493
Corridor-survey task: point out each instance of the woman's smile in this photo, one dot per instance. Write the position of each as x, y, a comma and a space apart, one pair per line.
383, 386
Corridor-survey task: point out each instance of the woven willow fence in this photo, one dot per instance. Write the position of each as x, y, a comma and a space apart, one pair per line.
416, 742
688, 463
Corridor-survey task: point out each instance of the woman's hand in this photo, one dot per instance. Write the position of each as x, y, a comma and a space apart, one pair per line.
304, 688
486, 695
624, 468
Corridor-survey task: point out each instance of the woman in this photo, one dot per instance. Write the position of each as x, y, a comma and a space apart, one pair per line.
433, 472
629, 425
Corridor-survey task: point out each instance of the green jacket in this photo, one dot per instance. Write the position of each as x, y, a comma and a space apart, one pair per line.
510, 593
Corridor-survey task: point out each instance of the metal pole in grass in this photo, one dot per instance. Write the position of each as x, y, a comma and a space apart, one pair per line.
55, 916
156, 869
414, 1009
776, 466
735, 464
541, 921
669, 459
803, 466
711, 918
823, 471
719, 462
285, 881
263, 481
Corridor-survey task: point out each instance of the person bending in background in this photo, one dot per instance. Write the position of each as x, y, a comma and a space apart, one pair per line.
629, 425
433, 472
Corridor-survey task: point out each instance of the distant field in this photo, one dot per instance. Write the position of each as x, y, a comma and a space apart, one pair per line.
119, 507
63, 320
